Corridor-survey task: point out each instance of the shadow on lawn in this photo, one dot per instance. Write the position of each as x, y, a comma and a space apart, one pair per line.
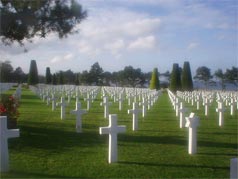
174, 140
172, 165
21, 174
51, 137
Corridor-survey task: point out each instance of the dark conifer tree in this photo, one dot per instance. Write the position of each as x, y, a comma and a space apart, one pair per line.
54, 79
187, 82
154, 82
175, 79
33, 78
48, 76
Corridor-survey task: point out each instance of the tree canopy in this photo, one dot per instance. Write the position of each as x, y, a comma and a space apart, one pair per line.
29, 18
33, 77
175, 79
203, 74
154, 82
186, 79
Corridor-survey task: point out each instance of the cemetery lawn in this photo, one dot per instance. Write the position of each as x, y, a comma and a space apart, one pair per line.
49, 147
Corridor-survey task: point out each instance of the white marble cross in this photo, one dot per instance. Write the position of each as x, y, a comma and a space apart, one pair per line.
144, 106
78, 112
220, 111
135, 111
182, 111
177, 106
62, 104
232, 104
198, 99
192, 123
89, 100
233, 168
106, 105
113, 129
5, 134
206, 104
120, 99
53, 99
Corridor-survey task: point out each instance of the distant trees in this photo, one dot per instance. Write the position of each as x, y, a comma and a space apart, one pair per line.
33, 78
231, 75
6, 71
175, 78
48, 76
186, 79
154, 82
178, 79
221, 76
203, 74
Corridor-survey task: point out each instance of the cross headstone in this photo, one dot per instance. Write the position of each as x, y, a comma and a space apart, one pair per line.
220, 111
192, 123
206, 104
78, 112
144, 106
5, 134
135, 111
177, 106
182, 111
62, 104
232, 105
89, 100
233, 168
120, 100
53, 99
113, 129
106, 105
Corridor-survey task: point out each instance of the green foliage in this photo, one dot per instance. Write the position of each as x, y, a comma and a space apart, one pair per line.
33, 78
50, 148
231, 75
175, 79
154, 82
48, 76
61, 78
203, 74
95, 74
54, 79
6, 70
187, 81
28, 18
221, 76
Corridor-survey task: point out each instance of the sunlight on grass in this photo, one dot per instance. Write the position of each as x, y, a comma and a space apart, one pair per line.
49, 147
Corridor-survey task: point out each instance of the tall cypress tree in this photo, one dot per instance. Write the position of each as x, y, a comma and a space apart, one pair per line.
48, 76
33, 78
187, 81
154, 82
54, 79
175, 79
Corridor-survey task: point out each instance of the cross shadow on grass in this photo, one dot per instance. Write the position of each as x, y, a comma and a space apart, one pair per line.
51, 137
172, 165
174, 140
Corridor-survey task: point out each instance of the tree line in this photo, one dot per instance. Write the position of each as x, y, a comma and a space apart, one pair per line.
178, 79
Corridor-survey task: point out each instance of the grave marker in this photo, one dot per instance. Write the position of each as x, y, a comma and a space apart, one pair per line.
106, 105
5, 134
192, 123
135, 111
78, 112
113, 129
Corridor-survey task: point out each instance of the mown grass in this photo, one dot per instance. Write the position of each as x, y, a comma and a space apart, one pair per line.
49, 147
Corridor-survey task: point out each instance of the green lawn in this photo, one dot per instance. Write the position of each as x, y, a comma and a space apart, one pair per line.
49, 147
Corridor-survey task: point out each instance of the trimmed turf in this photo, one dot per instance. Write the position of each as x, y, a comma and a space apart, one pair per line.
49, 147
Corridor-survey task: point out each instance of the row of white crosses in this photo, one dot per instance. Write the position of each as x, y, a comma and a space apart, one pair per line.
6, 86
191, 122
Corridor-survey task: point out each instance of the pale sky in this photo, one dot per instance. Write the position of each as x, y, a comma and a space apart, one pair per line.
142, 33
